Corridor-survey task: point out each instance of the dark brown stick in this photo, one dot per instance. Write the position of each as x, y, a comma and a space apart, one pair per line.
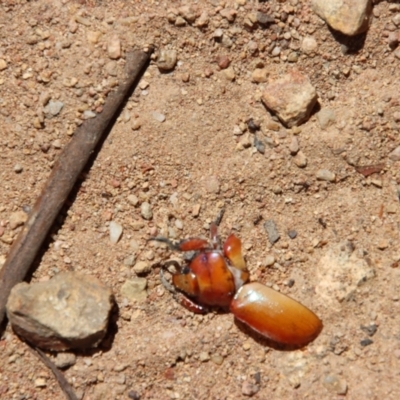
61, 181
63, 383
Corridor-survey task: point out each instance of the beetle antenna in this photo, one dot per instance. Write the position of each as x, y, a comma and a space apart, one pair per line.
219, 216
161, 239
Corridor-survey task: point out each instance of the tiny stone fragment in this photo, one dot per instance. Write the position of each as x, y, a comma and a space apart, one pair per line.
18, 168
135, 289
395, 154
115, 231
272, 231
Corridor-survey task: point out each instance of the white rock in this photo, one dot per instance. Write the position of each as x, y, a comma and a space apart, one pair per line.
115, 231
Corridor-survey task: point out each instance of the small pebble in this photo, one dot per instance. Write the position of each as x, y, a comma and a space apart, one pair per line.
18, 168
269, 260
3, 64
65, 360
115, 231
300, 159
88, 114
166, 60
223, 62
114, 48
366, 342
294, 146
129, 261
204, 356
40, 382
53, 108
212, 185
272, 231
142, 267
292, 234
326, 117
133, 200
136, 124
158, 116
335, 384
17, 218
325, 175
135, 289
217, 359
146, 211
249, 388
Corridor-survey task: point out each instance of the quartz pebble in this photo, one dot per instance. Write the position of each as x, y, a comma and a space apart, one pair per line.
158, 116
146, 211
326, 175
115, 231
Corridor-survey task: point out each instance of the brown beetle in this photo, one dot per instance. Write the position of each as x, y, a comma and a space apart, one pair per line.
218, 276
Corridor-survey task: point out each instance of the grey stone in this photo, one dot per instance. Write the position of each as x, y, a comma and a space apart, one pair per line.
53, 108
347, 16
69, 311
272, 231
291, 98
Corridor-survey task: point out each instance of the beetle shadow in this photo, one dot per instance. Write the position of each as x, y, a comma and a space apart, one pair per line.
265, 341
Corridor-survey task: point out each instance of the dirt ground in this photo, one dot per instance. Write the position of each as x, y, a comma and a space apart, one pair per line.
200, 159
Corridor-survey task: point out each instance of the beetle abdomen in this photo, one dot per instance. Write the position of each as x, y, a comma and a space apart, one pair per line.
275, 315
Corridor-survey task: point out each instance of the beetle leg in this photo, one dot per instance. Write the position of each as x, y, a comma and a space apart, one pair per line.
215, 240
190, 305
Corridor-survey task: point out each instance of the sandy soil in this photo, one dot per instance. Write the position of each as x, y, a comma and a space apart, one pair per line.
195, 160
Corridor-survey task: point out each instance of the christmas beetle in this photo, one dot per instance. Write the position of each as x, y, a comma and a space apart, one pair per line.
217, 276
